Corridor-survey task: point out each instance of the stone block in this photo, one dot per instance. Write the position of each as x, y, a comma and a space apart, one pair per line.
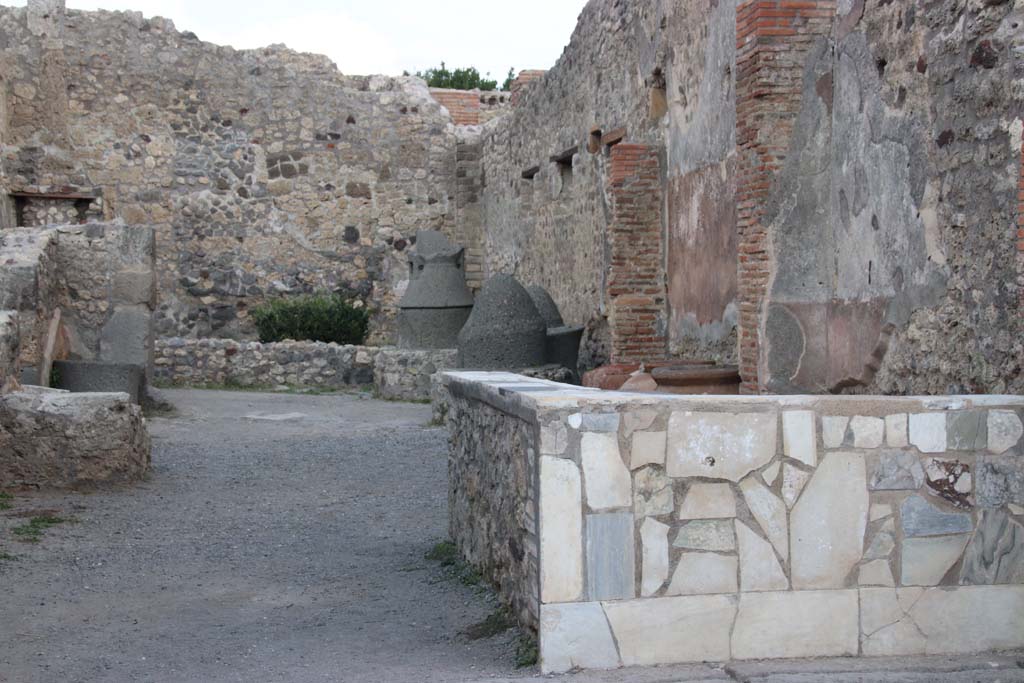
999, 480
896, 431
720, 445
896, 471
928, 432
771, 473
876, 573
1004, 431
708, 501
706, 534
995, 553
127, 337
704, 574
759, 567
655, 561
770, 513
828, 523
967, 430
647, 448
921, 518
134, 287
796, 624
92, 377
561, 530
610, 557
799, 436
608, 483
575, 636
868, 432
793, 481
833, 430
925, 561
652, 493
673, 630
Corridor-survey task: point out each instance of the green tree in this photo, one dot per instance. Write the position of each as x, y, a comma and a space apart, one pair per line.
459, 79
509, 80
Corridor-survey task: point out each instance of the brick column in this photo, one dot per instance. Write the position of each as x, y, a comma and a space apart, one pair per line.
636, 278
773, 38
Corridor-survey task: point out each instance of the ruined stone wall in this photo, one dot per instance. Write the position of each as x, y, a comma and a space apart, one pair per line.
656, 73
891, 221
30, 286
472, 107
265, 173
7, 217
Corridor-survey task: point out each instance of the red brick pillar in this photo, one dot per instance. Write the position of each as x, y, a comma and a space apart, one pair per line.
636, 278
773, 38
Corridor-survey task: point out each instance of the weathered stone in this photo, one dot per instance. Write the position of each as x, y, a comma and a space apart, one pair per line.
996, 551
896, 431
967, 430
720, 445
925, 561
652, 493
654, 567
610, 557
877, 573
647, 448
868, 432
704, 574
759, 567
575, 636
546, 306
672, 630
1004, 431
504, 331
951, 481
708, 501
879, 511
799, 436
896, 471
595, 422
796, 624
771, 473
707, 534
608, 484
921, 518
833, 430
886, 627
561, 530
128, 336
793, 481
554, 439
770, 513
91, 377
828, 523
928, 432
999, 480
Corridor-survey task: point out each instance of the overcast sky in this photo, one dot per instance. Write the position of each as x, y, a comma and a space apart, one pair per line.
382, 36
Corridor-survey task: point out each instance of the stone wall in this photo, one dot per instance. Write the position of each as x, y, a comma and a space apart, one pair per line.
406, 375
54, 439
30, 286
679, 529
265, 173
10, 340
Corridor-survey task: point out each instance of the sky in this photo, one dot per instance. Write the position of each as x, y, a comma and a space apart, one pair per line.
382, 36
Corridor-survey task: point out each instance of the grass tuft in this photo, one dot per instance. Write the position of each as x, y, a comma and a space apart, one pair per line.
5, 501
33, 531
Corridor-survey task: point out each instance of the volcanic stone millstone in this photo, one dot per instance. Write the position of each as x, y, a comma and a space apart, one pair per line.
505, 330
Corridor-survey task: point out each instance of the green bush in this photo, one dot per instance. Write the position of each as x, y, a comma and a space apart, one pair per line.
459, 79
324, 318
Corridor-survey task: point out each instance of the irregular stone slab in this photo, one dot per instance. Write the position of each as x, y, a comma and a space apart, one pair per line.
828, 523
833, 430
950, 480
967, 430
595, 422
127, 337
607, 479
793, 481
759, 567
770, 513
1016, 509
561, 530
554, 439
673, 630
921, 518
796, 624
1004, 431
771, 473
637, 420
968, 620
706, 534
652, 493
928, 432
883, 543
708, 501
926, 560
610, 557
999, 481
996, 551
799, 436
896, 471
877, 573
704, 574
720, 445
896, 431
879, 511
575, 635
868, 432
655, 562
648, 448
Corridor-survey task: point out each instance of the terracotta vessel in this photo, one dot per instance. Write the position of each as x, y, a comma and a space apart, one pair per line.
611, 377
688, 379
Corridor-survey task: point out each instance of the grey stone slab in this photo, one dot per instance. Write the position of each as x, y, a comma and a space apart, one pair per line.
610, 557
967, 430
921, 518
127, 336
90, 377
707, 534
999, 480
996, 551
600, 422
896, 471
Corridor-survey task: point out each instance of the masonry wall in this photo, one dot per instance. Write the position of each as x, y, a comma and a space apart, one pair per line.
696, 529
265, 173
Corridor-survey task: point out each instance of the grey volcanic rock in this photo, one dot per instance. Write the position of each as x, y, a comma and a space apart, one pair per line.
96, 377
438, 302
546, 306
505, 330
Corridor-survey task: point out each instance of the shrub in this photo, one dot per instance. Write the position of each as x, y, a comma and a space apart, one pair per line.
459, 79
324, 318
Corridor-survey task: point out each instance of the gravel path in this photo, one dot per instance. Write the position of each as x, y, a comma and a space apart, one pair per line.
282, 538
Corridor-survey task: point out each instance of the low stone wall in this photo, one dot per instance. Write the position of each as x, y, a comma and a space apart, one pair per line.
9, 342
681, 529
405, 375
54, 439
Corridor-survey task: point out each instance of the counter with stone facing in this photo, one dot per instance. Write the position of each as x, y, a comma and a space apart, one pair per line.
679, 529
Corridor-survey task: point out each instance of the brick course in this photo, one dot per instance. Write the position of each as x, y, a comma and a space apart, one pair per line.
463, 105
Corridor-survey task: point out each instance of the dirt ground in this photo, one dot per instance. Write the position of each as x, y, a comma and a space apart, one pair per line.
283, 538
